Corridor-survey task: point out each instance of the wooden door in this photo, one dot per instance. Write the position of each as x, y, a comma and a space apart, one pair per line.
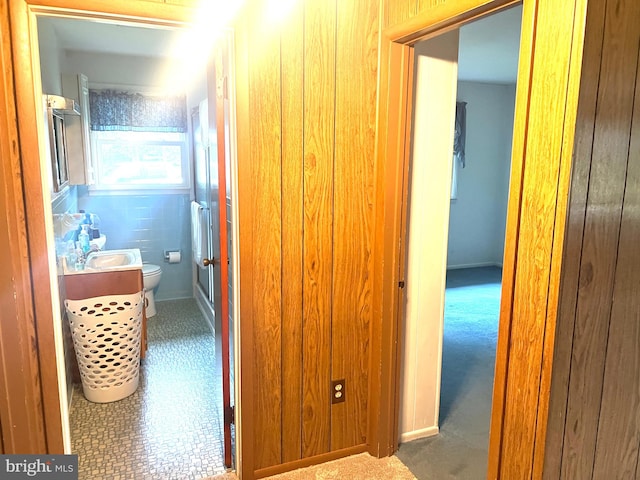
219, 181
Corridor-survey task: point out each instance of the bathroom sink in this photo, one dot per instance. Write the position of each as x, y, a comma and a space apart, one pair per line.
109, 260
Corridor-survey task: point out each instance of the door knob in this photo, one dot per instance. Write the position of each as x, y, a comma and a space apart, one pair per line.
206, 262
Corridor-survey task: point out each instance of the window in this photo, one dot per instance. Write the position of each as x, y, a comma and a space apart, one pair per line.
140, 160
138, 142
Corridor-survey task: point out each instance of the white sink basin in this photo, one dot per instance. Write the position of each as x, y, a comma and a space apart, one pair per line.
111, 259
108, 260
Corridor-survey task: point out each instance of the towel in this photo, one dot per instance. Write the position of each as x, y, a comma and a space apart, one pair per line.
198, 233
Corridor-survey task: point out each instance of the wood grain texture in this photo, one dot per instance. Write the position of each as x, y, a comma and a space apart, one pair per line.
292, 55
319, 138
37, 215
425, 4
573, 239
307, 462
559, 236
527, 38
530, 310
22, 427
600, 240
618, 436
395, 94
265, 203
399, 11
437, 17
143, 11
245, 417
356, 85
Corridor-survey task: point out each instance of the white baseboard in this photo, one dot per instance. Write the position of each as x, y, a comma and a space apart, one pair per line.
474, 265
205, 307
416, 434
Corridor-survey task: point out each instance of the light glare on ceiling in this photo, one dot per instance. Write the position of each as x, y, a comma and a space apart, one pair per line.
195, 44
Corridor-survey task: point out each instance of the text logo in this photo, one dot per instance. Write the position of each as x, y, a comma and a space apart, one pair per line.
50, 467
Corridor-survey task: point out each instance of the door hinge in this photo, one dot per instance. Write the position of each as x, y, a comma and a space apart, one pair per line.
401, 284
231, 414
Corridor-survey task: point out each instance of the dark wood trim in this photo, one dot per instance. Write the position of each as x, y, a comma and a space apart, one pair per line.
22, 419
310, 461
36, 206
396, 73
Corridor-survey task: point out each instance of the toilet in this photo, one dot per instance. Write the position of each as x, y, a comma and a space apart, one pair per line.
151, 278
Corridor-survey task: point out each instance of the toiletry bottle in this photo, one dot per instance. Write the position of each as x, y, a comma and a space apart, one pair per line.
94, 229
84, 239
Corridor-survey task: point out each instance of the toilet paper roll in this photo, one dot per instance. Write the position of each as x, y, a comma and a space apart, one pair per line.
174, 257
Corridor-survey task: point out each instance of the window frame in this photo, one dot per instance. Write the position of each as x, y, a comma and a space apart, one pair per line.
153, 187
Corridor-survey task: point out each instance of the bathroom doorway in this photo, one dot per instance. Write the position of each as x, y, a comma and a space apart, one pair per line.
156, 220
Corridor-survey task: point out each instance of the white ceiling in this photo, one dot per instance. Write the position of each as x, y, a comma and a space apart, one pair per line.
488, 47
103, 37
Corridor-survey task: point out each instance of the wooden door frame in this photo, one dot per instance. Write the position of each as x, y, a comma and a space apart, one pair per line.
541, 163
41, 405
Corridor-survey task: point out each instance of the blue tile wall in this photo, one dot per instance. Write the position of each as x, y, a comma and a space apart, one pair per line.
152, 223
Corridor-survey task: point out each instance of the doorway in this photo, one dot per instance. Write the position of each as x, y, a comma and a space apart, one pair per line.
458, 191
184, 358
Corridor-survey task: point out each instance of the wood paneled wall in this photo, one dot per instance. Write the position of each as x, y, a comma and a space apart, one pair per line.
306, 106
22, 418
594, 428
396, 12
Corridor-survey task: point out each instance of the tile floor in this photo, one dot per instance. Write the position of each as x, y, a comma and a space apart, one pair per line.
170, 428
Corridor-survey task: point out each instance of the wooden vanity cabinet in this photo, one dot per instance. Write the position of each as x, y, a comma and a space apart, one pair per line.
123, 282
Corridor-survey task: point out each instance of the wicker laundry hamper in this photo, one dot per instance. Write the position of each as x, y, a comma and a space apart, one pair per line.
106, 335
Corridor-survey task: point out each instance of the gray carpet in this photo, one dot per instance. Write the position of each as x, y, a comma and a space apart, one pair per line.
472, 305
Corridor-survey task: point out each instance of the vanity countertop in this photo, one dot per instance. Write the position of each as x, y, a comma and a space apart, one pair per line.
107, 261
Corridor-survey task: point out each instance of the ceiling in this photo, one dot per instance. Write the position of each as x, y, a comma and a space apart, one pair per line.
488, 47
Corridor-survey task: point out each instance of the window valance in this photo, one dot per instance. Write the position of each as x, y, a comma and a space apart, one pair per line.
460, 133
125, 111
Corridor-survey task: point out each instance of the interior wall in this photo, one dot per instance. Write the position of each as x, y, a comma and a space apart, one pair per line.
428, 203
307, 108
50, 59
594, 427
478, 213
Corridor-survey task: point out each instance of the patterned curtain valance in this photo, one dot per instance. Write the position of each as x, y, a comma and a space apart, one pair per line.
125, 111
460, 133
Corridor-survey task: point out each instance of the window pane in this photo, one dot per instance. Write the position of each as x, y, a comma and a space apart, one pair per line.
141, 159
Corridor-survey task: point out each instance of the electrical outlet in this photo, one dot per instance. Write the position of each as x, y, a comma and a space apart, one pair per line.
337, 391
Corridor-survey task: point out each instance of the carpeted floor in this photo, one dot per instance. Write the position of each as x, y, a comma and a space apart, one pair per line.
355, 467
472, 305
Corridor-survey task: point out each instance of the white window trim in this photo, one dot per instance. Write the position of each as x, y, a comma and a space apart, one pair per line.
133, 188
